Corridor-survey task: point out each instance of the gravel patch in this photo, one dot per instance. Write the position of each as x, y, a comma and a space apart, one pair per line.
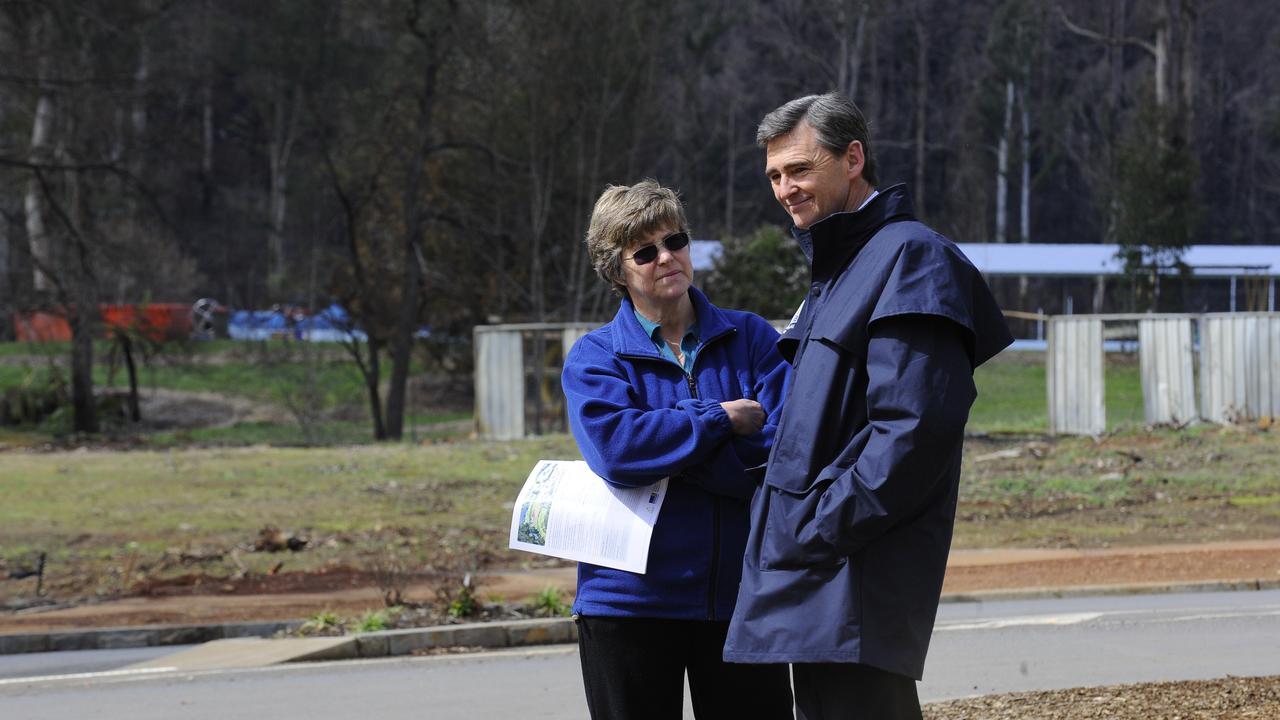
1230, 698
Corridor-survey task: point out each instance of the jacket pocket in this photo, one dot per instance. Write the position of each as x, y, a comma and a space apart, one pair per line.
790, 540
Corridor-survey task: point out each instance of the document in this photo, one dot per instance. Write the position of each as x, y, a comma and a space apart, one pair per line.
564, 510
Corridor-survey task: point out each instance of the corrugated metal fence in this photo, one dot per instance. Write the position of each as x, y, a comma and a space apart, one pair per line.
502, 378
1239, 368
1238, 373
1073, 371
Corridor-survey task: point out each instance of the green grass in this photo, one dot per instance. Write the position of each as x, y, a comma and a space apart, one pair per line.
1013, 398
1011, 395
275, 372
1011, 387
109, 518
246, 369
1135, 487
420, 426
159, 499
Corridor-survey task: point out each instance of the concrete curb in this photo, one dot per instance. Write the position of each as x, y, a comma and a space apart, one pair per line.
137, 636
1112, 590
517, 633
258, 652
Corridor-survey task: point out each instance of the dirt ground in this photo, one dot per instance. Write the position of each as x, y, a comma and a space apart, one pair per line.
293, 595
1228, 699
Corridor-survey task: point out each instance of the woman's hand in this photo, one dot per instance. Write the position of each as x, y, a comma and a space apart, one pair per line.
746, 416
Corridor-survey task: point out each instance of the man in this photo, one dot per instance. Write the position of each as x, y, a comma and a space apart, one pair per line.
851, 530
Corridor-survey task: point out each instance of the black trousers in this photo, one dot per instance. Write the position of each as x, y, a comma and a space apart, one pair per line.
848, 691
634, 668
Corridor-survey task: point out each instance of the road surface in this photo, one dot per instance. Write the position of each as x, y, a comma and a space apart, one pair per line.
978, 648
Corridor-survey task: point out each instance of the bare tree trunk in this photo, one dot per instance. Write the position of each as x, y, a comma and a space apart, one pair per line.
573, 307
851, 65
284, 133
731, 164
83, 310
402, 344
1002, 167
1160, 50
411, 279
1024, 217
372, 373
922, 105
206, 123
83, 322
141, 76
131, 368
37, 234
1190, 53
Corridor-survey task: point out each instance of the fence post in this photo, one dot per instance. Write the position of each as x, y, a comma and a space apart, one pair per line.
1240, 366
499, 383
1074, 373
1168, 371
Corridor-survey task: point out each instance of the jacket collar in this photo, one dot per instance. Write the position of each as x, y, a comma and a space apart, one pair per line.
630, 339
832, 241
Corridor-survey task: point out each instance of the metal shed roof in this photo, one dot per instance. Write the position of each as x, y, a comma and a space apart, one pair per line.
1079, 259
1047, 259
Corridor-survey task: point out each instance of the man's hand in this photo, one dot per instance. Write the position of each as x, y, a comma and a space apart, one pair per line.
746, 416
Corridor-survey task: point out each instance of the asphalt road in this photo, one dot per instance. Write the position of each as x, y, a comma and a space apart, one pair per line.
977, 649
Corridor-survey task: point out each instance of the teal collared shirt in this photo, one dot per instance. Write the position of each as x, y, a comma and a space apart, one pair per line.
689, 344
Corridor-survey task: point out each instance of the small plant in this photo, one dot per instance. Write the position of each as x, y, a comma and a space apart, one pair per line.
375, 620
550, 603
463, 604
391, 574
458, 596
323, 622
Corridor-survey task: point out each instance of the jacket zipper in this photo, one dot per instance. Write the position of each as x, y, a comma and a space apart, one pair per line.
714, 575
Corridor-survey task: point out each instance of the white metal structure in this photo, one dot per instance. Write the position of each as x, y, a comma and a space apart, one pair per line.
1074, 374
1239, 374
500, 374
499, 382
1240, 366
1167, 362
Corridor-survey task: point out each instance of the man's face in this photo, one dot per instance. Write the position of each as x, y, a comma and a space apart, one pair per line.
808, 179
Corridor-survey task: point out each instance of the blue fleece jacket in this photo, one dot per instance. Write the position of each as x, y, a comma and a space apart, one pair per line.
638, 418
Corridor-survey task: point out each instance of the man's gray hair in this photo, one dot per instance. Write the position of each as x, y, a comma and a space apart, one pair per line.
835, 117
622, 217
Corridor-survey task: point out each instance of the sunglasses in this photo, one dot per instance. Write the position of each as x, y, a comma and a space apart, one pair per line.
674, 243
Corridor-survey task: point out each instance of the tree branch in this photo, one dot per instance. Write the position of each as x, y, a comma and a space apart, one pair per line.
1099, 37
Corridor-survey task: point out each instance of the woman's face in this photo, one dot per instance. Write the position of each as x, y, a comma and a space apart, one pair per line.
662, 281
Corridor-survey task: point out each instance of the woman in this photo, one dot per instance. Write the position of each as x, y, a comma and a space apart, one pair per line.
672, 387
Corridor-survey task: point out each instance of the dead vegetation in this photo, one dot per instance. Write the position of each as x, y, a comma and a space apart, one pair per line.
1233, 698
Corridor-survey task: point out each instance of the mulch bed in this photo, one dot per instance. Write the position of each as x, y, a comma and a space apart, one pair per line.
1230, 699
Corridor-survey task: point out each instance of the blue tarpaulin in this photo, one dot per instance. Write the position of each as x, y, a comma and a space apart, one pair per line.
333, 324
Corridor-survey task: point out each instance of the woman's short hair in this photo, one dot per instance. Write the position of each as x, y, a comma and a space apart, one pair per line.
622, 217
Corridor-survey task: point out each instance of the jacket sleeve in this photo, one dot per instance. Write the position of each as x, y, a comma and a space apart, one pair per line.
919, 391
736, 468
624, 442
768, 384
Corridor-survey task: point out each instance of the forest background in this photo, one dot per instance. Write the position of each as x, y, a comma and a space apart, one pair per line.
431, 162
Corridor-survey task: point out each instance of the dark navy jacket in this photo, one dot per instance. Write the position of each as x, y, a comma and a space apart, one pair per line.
638, 418
851, 531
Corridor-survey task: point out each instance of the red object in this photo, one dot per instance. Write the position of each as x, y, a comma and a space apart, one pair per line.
157, 321
41, 327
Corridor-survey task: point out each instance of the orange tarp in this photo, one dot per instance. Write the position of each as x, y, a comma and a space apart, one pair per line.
157, 321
